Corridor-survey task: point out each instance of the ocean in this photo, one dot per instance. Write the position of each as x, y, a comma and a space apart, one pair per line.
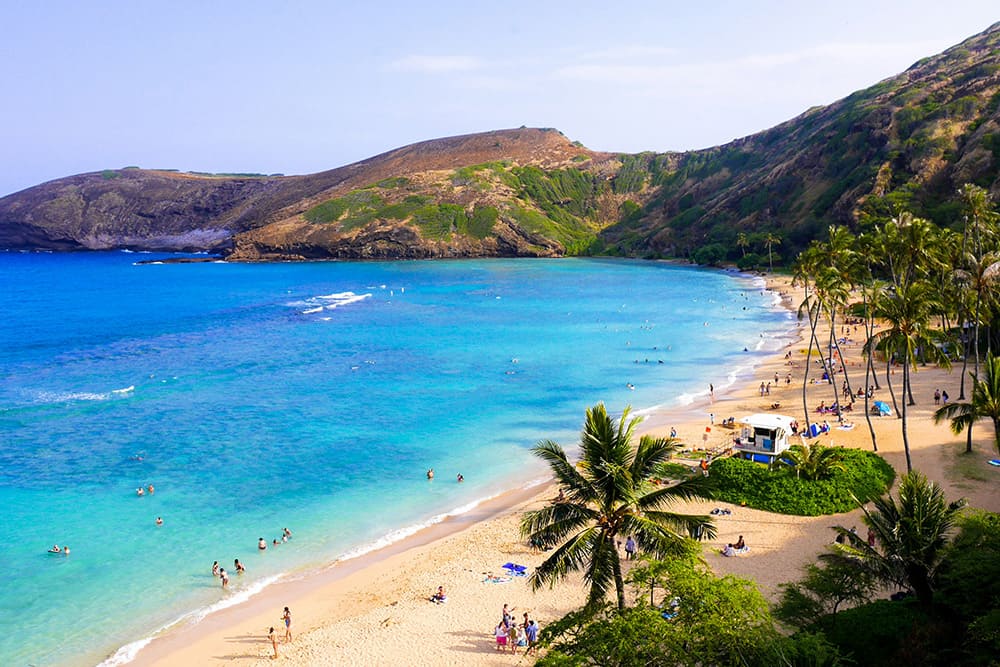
312, 396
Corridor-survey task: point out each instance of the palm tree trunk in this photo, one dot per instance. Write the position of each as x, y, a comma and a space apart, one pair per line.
906, 441
619, 580
965, 360
868, 412
996, 433
888, 382
968, 440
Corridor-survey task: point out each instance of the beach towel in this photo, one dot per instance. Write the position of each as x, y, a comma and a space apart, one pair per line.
994, 462
497, 580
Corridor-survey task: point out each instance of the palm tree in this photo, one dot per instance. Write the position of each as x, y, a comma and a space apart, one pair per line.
908, 309
770, 241
985, 403
608, 495
742, 242
813, 461
910, 536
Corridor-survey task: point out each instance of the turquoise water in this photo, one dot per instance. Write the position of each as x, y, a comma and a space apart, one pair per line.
313, 396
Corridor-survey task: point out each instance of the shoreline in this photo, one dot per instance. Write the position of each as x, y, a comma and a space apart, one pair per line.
313, 589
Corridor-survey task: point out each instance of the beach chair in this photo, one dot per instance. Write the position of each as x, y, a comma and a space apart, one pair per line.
515, 569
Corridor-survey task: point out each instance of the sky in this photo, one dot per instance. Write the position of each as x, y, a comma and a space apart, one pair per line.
297, 87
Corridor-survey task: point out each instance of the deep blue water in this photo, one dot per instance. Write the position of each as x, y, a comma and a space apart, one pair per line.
312, 396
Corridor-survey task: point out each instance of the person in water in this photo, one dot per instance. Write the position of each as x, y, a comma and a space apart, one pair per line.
239, 566
430, 473
55, 549
159, 521
150, 489
460, 478
140, 492
286, 533
65, 551
215, 568
261, 544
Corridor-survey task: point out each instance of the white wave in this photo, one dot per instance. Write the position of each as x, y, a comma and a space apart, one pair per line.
127, 653
402, 533
316, 304
127, 390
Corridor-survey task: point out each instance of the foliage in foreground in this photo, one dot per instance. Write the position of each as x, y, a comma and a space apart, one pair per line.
961, 627
608, 495
860, 474
716, 621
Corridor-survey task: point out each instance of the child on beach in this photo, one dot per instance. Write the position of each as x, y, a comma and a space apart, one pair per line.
271, 635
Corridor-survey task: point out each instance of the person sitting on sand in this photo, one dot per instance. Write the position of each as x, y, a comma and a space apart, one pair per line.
439, 597
740, 544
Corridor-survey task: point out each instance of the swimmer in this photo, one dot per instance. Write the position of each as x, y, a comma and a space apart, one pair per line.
286, 532
159, 521
460, 478
215, 568
630, 386
65, 551
224, 577
140, 492
55, 549
430, 473
150, 489
239, 566
261, 544
275, 542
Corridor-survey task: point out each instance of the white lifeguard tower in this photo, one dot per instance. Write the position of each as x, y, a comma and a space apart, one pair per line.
763, 437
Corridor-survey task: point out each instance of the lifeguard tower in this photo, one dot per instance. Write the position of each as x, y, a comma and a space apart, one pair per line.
763, 437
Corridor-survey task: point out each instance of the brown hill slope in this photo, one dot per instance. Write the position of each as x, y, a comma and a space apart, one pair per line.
166, 210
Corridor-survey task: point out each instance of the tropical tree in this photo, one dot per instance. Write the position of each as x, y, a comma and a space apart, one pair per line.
813, 461
742, 242
908, 309
608, 495
985, 404
769, 242
910, 536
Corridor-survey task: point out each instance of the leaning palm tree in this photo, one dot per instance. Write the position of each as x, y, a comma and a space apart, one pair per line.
770, 240
985, 403
910, 536
609, 495
813, 461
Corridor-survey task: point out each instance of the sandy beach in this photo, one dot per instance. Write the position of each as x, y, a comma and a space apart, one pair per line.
375, 610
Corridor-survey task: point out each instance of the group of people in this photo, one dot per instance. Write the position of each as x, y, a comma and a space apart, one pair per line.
458, 478
220, 572
141, 491
735, 548
285, 536
56, 550
940, 397
509, 634
272, 636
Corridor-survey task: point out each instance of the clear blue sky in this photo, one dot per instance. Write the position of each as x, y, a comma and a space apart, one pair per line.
298, 87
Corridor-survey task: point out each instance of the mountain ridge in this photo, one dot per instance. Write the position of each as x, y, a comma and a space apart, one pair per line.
907, 141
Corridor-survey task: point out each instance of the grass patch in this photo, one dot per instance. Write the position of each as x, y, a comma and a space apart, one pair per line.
865, 475
966, 467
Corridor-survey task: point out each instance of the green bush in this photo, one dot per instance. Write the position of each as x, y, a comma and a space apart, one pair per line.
864, 476
880, 633
482, 221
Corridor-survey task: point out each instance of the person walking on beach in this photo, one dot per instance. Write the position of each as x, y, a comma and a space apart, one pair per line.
937, 397
273, 636
287, 618
630, 548
531, 635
